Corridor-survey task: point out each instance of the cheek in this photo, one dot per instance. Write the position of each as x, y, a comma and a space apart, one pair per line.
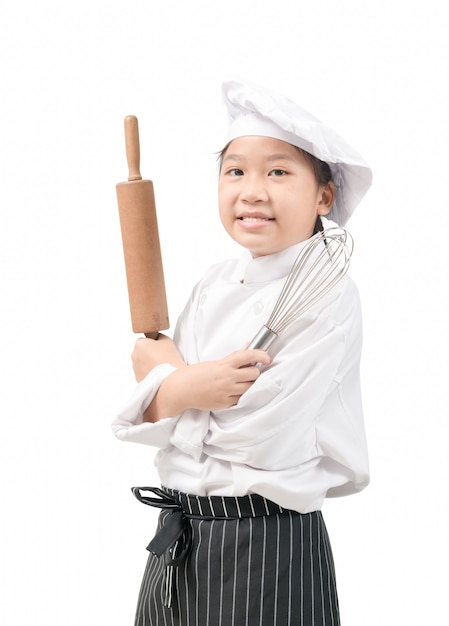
307, 204
223, 210
224, 199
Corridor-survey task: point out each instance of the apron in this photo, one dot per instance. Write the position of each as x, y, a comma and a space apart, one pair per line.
235, 561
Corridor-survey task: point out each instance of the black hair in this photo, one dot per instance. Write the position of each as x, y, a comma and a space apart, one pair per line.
321, 169
323, 176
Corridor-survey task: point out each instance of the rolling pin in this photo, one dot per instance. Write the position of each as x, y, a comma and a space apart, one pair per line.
141, 246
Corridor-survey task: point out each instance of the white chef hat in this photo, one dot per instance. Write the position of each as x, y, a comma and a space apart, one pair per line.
254, 110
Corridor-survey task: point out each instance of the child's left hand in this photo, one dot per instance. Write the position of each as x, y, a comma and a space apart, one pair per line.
148, 353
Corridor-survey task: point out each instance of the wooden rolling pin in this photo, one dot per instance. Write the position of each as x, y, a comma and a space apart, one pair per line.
141, 246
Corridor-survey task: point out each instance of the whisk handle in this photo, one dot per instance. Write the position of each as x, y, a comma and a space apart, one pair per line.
263, 339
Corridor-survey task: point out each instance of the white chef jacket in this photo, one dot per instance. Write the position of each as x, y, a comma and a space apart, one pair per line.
297, 435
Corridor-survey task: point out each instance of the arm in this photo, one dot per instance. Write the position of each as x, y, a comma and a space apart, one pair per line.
274, 424
306, 408
208, 386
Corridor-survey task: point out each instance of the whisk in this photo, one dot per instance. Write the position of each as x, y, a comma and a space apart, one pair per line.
319, 266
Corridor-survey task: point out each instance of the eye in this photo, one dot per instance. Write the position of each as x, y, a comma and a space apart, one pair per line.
277, 173
235, 172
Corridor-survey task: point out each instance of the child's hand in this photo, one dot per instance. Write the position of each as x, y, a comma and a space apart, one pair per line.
219, 384
148, 353
208, 386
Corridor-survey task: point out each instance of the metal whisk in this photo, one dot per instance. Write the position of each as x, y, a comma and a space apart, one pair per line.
317, 268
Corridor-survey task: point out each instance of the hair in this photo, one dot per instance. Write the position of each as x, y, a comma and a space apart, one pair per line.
321, 170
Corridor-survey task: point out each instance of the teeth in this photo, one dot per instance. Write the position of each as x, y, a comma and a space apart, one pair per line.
255, 219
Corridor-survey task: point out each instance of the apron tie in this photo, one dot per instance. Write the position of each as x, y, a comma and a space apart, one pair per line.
173, 539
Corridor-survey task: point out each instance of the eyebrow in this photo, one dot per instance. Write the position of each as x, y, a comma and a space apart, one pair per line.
280, 157
272, 157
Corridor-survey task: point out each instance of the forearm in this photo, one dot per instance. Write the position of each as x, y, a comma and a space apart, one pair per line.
169, 400
206, 386
128, 424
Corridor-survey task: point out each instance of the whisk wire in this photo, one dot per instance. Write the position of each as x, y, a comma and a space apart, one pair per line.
317, 269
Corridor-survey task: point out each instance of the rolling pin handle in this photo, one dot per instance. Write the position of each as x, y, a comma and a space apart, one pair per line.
132, 147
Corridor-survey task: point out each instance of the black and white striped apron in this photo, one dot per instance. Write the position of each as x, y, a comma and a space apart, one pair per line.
235, 561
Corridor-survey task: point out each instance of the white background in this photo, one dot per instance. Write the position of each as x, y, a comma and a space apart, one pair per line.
72, 536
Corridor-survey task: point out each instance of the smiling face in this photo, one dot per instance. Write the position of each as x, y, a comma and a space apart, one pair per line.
268, 196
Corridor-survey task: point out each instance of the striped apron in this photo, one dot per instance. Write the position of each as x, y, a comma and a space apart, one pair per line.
235, 561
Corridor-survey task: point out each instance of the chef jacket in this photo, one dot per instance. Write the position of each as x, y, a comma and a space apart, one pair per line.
297, 435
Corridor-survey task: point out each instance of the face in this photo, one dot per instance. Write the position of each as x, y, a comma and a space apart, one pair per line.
268, 195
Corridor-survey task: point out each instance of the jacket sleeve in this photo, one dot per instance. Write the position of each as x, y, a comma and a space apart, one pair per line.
129, 425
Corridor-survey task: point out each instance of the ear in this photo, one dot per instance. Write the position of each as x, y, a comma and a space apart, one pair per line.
326, 199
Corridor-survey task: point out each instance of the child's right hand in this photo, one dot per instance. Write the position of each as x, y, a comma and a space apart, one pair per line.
209, 386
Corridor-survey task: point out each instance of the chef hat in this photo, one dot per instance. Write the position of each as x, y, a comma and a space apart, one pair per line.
254, 110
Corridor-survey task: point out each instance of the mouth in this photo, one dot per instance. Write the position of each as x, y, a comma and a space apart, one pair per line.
255, 218
254, 223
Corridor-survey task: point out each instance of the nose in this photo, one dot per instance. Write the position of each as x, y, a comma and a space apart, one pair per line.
253, 189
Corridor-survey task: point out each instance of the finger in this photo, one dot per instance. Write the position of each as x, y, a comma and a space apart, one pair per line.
162, 337
244, 358
247, 374
233, 400
141, 344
